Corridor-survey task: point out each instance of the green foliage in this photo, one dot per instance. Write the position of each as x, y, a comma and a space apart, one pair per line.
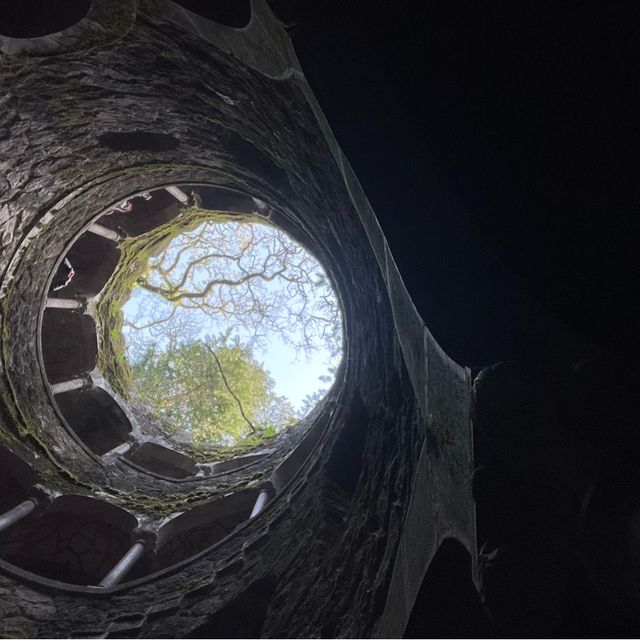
182, 383
187, 277
135, 254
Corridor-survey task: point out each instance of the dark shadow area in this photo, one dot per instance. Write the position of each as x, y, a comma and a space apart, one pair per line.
138, 141
556, 492
345, 461
254, 159
96, 419
69, 344
36, 18
16, 479
287, 11
498, 148
93, 259
610, 536
225, 200
448, 604
243, 617
145, 215
231, 13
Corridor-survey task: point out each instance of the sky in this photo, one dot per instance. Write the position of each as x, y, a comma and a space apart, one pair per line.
296, 374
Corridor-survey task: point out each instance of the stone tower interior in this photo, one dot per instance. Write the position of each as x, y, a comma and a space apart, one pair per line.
472, 471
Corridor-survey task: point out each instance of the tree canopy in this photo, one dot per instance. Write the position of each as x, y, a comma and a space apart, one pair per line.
209, 402
204, 307
250, 277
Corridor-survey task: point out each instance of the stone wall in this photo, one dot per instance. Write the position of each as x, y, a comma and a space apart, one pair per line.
169, 98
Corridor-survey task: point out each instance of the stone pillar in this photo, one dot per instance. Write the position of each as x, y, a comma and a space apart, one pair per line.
63, 303
68, 385
124, 565
17, 513
261, 503
104, 232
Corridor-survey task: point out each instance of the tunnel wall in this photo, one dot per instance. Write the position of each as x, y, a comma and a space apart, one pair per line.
345, 544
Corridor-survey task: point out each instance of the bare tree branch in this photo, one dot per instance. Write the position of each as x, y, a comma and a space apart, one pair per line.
226, 384
232, 285
154, 323
171, 296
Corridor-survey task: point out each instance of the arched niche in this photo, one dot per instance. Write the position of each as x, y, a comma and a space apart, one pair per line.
69, 344
145, 213
93, 259
218, 199
96, 419
243, 617
201, 527
76, 540
162, 460
38, 18
16, 480
448, 604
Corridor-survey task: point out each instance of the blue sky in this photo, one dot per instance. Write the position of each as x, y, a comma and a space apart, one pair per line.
296, 373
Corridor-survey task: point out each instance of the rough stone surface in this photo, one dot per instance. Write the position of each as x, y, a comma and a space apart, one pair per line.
327, 552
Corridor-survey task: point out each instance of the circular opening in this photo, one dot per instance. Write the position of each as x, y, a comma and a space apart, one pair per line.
232, 332
279, 313
213, 330
37, 18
